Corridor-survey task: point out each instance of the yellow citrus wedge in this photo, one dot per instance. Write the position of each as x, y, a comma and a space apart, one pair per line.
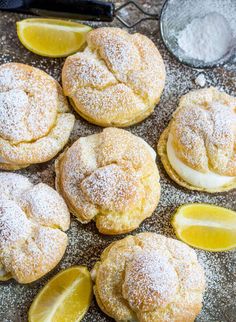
66, 297
51, 37
206, 226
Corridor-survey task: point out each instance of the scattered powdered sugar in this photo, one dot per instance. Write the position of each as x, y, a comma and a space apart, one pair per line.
14, 226
13, 185
110, 187
13, 111
24, 93
150, 278
207, 38
85, 243
121, 54
200, 80
44, 205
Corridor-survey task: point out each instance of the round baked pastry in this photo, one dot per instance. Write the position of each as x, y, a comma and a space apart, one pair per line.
33, 219
198, 148
110, 177
34, 120
117, 80
149, 278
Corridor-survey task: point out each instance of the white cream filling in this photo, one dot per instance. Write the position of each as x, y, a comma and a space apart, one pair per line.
209, 180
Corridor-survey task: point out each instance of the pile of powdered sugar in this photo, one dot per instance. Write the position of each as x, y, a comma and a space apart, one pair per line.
207, 38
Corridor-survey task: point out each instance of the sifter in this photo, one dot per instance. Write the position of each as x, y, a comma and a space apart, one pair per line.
175, 15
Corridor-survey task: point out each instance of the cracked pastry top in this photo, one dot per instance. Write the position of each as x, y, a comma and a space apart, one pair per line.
33, 219
35, 122
149, 278
111, 178
198, 148
117, 80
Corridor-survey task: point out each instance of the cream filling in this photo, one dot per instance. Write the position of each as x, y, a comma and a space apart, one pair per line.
209, 180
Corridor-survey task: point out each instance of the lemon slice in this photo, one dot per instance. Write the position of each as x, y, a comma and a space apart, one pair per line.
66, 297
206, 226
51, 37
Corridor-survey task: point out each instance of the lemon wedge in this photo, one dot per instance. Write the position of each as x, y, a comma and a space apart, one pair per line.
52, 37
206, 226
66, 297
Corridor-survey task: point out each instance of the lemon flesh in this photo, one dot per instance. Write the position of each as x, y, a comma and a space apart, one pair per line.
52, 37
66, 297
206, 226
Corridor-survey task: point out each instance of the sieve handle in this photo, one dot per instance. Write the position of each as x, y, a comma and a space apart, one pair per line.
93, 10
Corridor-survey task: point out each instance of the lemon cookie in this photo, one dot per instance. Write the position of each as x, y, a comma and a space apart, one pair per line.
149, 278
33, 219
110, 177
117, 80
35, 122
198, 148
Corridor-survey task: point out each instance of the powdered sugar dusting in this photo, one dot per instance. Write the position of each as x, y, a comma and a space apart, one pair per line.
125, 77
151, 280
156, 282
111, 188
109, 174
23, 237
14, 226
24, 92
13, 110
85, 244
44, 205
204, 126
32, 112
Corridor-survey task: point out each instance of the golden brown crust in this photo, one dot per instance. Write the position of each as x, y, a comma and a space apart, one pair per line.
29, 132
110, 177
149, 278
12, 167
203, 119
161, 149
117, 80
33, 219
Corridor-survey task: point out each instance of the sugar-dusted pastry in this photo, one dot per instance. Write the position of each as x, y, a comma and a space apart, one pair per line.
33, 219
35, 122
110, 177
117, 80
198, 148
149, 278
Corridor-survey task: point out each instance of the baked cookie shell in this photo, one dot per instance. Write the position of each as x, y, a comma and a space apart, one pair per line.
103, 123
110, 177
33, 220
161, 149
35, 119
117, 80
128, 285
210, 132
